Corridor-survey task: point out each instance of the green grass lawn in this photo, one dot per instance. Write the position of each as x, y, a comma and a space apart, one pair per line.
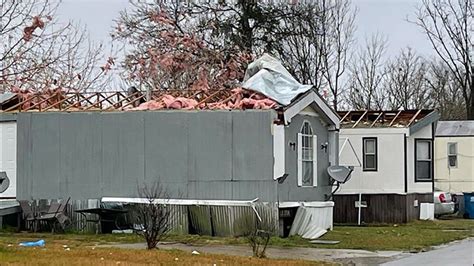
415, 236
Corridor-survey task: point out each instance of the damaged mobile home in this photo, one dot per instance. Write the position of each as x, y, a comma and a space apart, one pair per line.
265, 147
392, 156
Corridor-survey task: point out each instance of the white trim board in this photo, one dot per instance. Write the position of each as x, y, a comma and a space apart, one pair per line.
183, 201
311, 98
278, 151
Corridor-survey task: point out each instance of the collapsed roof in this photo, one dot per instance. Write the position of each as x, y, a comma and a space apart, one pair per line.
381, 119
267, 85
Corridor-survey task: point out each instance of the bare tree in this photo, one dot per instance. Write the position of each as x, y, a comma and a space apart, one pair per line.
154, 217
448, 24
445, 91
38, 52
406, 83
162, 54
367, 75
340, 37
314, 42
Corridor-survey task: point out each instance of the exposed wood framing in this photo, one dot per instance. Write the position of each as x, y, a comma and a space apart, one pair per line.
360, 119
346, 115
376, 119
395, 118
76, 101
413, 118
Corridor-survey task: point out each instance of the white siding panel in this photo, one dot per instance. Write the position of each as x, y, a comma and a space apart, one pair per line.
8, 156
389, 177
315, 160
300, 160
278, 151
458, 179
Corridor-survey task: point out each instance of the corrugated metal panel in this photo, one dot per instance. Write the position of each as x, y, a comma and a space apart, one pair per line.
309, 219
200, 220
179, 219
88, 155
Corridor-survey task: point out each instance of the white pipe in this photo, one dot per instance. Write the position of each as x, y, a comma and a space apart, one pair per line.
360, 208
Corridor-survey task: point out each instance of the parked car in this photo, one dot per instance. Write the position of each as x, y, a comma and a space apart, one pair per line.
444, 203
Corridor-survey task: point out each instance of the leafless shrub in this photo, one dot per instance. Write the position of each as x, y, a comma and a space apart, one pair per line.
257, 231
153, 216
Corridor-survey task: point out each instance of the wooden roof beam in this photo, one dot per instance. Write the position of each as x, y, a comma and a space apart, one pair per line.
360, 119
346, 115
376, 119
395, 118
413, 118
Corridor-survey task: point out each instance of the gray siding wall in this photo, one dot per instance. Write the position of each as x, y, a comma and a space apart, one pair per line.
289, 190
197, 155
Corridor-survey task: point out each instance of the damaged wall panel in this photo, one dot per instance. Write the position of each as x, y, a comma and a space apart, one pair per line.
198, 155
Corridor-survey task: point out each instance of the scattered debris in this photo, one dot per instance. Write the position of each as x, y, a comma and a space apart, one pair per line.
126, 231
329, 242
195, 252
39, 243
176, 259
67, 249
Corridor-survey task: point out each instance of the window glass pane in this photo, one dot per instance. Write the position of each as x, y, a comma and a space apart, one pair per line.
453, 160
307, 154
423, 170
370, 161
307, 173
452, 148
307, 129
370, 146
423, 150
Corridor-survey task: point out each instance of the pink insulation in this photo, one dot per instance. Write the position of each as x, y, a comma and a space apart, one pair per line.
239, 99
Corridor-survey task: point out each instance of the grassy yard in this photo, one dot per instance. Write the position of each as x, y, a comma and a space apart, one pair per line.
80, 250
415, 236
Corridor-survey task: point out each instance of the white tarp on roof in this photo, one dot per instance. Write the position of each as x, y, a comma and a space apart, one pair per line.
268, 76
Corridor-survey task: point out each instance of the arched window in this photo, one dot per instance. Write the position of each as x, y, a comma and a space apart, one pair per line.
307, 151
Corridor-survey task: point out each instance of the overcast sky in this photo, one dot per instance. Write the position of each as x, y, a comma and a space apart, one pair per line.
387, 17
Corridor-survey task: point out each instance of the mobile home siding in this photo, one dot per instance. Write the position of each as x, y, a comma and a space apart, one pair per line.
198, 155
455, 179
289, 190
389, 177
381, 208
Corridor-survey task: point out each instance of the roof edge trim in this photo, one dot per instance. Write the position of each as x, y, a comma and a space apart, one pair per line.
321, 107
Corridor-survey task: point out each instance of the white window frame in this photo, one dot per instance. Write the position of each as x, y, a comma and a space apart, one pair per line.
453, 154
300, 156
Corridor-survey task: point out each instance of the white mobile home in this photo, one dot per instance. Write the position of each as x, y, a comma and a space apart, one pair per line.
392, 155
454, 156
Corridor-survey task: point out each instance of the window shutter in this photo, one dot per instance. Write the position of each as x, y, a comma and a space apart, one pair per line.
300, 159
315, 160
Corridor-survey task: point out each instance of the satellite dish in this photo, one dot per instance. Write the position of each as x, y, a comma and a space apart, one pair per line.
341, 174
4, 181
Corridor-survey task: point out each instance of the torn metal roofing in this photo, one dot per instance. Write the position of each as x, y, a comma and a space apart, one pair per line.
6, 97
455, 128
383, 119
